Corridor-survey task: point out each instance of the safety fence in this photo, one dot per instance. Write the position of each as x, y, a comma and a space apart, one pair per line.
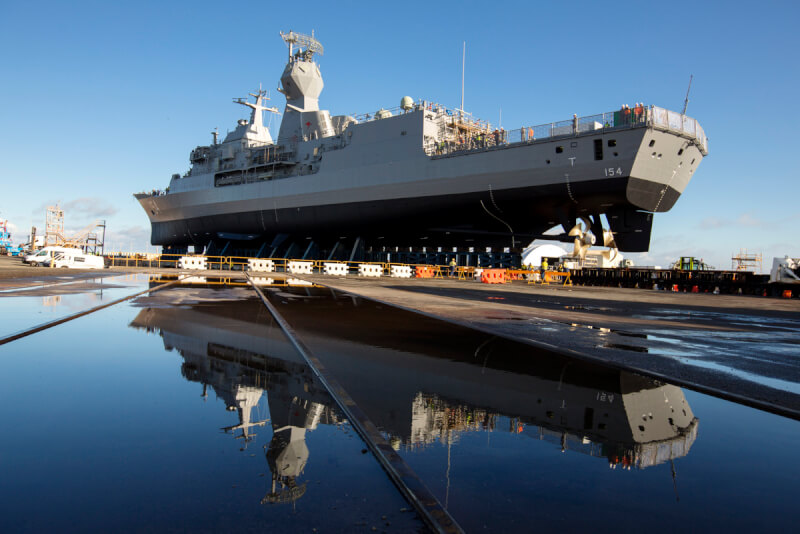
265, 268
277, 272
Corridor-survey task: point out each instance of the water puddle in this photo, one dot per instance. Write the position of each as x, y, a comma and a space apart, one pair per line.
192, 417
189, 410
509, 436
24, 308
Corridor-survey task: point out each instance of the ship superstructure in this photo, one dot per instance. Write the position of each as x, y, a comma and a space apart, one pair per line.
422, 173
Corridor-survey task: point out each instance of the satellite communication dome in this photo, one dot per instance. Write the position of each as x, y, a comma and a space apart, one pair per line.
406, 103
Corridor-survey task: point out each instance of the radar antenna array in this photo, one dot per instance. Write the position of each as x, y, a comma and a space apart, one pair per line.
302, 41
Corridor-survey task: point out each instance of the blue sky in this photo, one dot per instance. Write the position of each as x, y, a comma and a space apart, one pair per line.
99, 100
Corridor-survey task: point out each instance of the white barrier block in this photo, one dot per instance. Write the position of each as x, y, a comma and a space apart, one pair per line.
262, 280
400, 271
194, 280
195, 263
263, 266
368, 269
336, 269
301, 267
297, 282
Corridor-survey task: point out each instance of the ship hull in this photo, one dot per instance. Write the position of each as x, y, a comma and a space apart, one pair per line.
386, 189
407, 221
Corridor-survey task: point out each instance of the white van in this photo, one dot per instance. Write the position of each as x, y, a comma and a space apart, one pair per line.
43, 256
76, 259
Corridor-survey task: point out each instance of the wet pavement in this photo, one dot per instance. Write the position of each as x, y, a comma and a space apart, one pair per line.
22, 308
743, 348
206, 421
189, 409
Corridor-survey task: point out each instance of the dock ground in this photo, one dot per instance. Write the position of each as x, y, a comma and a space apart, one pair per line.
741, 348
227, 402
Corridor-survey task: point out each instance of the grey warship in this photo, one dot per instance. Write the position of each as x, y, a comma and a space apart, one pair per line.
424, 174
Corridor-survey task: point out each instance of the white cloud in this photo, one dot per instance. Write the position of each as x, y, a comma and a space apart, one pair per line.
746, 219
712, 222
79, 208
132, 238
90, 207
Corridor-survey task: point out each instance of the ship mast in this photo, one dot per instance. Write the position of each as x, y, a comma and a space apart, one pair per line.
256, 116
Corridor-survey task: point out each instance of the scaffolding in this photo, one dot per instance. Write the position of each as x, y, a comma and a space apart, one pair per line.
746, 261
90, 239
54, 226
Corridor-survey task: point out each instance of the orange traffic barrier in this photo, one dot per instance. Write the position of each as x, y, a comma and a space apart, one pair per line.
493, 276
424, 271
559, 277
787, 293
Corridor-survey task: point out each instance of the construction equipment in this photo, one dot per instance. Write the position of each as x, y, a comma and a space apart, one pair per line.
690, 263
89, 239
6, 246
785, 270
746, 261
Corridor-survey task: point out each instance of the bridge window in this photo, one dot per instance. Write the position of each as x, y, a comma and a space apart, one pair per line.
652, 142
680, 152
612, 142
559, 149
598, 149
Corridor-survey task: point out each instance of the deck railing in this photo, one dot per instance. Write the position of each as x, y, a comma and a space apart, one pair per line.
625, 118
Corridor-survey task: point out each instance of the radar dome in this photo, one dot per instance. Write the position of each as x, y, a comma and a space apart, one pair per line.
406, 103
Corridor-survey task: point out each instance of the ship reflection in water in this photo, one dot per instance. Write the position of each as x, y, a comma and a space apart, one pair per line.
223, 348
418, 387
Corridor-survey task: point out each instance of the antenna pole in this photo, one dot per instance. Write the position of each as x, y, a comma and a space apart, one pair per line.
463, 64
686, 102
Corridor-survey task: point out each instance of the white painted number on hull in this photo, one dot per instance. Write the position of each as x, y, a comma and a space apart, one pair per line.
611, 171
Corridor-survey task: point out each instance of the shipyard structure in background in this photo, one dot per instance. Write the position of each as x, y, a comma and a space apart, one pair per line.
422, 174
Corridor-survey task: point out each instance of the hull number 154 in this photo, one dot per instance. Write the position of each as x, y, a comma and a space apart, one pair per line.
611, 171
